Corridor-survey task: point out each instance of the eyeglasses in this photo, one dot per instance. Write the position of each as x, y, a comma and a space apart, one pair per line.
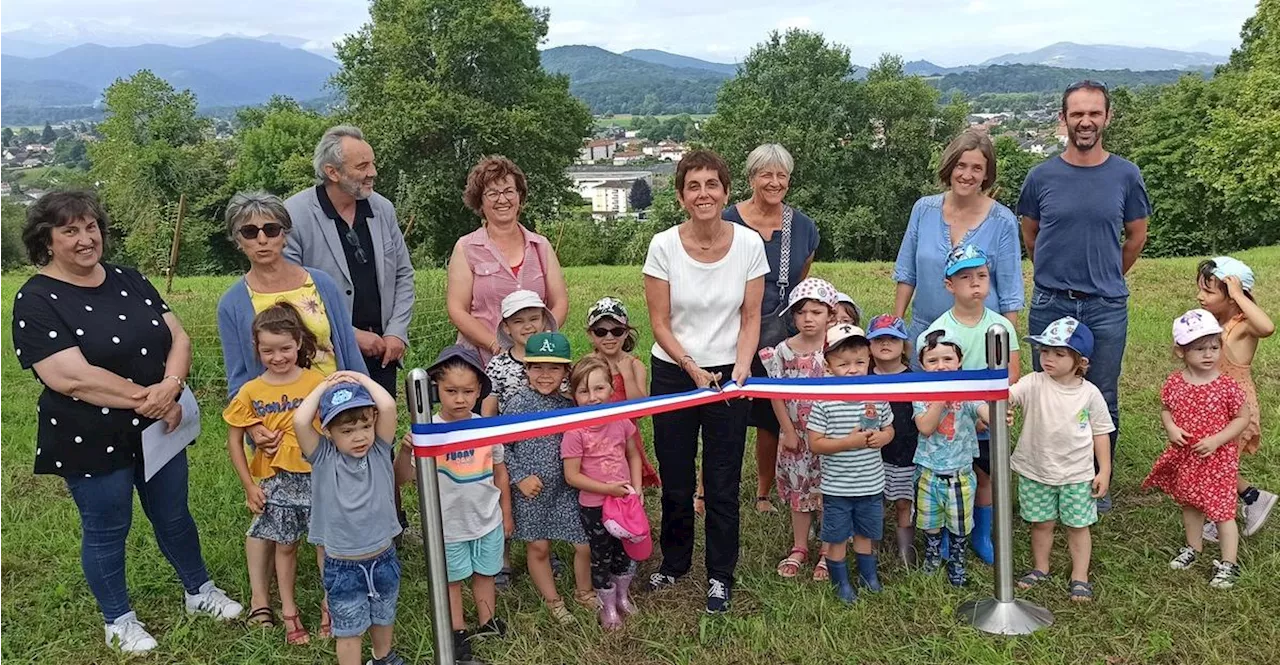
353, 239
1086, 83
493, 195
251, 231
608, 332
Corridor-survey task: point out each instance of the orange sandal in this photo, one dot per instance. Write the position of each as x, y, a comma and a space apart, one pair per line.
326, 621
295, 633
790, 566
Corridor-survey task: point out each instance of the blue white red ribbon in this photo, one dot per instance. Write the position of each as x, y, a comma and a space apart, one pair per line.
431, 439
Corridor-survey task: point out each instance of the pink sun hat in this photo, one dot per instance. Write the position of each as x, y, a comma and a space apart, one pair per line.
625, 519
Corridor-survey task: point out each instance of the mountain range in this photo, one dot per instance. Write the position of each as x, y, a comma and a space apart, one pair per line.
1103, 56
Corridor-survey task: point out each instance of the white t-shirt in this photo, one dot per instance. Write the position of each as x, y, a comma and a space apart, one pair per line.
1056, 444
706, 298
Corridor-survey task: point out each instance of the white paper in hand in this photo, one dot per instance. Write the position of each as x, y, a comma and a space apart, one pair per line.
158, 446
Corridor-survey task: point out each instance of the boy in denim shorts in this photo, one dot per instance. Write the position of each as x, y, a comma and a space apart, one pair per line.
849, 436
353, 510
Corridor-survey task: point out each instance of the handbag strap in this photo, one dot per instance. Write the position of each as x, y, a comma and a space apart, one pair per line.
784, 254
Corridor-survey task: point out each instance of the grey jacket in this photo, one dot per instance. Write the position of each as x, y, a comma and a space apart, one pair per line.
314, 243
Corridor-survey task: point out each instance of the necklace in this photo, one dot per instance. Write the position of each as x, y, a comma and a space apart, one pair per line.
715, 239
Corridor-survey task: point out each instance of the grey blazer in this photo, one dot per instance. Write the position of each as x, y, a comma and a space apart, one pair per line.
314, 243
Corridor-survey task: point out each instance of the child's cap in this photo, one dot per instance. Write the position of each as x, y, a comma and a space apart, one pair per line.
887, 325
922, 342
965, 256
548, 347
342, 397
624, 519
811, 289
607, 308
837, 334
846, 298
1193, 325
520, 300
469, 356
1066, 332
1225, 266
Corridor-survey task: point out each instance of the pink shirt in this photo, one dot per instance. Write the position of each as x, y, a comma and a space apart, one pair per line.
493, 279
603, 450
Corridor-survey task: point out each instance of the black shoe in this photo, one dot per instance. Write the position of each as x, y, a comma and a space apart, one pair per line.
392, 658
660, 581
718, 596
461, 646
494, 627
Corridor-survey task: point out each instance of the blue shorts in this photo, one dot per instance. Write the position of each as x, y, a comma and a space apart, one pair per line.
362, 592
482, 556
846, 516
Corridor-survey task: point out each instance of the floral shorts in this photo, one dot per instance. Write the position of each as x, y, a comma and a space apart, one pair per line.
288, 511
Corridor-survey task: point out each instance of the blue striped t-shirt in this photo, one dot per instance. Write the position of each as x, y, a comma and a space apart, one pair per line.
858, 472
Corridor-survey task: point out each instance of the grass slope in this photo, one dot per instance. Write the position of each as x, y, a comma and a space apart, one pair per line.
1145, 613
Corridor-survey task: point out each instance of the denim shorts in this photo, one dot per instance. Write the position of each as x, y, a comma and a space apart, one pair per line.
481, 556
845, 516
362, 592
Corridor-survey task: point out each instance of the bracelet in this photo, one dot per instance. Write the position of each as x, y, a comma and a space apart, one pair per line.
181, 384
690, 359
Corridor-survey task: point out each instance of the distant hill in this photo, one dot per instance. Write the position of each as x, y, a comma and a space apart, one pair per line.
926, 68
223, 72
1104, 56
613, 83
1043, 78
680, 61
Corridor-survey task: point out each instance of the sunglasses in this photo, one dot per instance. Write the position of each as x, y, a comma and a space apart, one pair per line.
609, 332
251, 231
353, 239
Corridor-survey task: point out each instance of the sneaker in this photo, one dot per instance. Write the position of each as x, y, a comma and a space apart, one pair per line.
1104, 504
1186, 557
1210, 532
660, 581
127, 634
494, 627
392, 658
1225, 574
461, 647
1256, 513
718, 596
213, 601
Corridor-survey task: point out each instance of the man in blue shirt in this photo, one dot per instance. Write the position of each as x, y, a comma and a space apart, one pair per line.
1084, 214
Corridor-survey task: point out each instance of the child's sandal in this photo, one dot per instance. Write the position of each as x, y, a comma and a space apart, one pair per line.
326, 621
764, 505
262, 617
790, 566
1032, 578
295, 633
820, 572
1080, 592
587, 599
559, 612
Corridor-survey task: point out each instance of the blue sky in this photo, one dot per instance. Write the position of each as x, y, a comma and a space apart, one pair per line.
947, 32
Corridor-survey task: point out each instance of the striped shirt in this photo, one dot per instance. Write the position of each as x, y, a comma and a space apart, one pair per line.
858, 472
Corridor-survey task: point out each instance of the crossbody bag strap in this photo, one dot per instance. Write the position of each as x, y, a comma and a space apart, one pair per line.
784, 254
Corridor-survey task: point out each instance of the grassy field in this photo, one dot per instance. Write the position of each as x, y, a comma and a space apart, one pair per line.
624, 120
1144, 612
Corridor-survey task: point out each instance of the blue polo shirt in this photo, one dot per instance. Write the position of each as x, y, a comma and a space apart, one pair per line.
1082, 212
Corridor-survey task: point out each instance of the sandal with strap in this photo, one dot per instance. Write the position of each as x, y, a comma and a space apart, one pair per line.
262, 617
326, 621
1032, 578
295, 633
1081, 592
790, 566
820, 572
559, 612
764, 505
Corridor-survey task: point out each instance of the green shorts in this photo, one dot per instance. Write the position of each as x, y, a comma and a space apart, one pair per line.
1072, 504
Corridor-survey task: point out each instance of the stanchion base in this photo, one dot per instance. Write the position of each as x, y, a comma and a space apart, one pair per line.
1016, 617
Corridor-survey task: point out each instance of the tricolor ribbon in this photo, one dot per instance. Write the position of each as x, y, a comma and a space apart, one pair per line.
431, 439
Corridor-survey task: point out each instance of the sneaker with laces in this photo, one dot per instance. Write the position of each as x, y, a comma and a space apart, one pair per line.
214, 602
392, 658
1256, 513
660, 581
1186, 557
1225, 574
128, 635
718, 596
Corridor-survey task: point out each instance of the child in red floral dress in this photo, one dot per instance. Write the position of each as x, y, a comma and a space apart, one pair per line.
1204, 414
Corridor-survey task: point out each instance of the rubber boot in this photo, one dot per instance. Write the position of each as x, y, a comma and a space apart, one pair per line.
956, 573
839, 572
933, 551
946, 545
980, 539
907, 546
609, 617
867, 576
623, 584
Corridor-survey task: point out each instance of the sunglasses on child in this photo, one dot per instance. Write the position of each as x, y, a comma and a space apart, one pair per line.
250, 231
606, 332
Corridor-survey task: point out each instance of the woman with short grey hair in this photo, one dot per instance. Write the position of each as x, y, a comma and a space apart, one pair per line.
790, 241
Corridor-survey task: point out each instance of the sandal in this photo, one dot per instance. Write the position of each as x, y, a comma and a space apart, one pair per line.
295, 633
764, 505
326, 621
1032, 578
587, 599
820, 572
790, 566
699, 504
559, 612
1081, 592
262, 617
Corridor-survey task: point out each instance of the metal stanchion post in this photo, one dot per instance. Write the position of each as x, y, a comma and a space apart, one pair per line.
1003, 614
418, 393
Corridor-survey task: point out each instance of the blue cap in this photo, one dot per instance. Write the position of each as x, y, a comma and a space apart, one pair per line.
887, 325
342, 397
1066, 332
965, 256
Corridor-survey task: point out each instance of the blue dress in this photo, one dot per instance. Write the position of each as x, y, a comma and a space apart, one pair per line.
553, 514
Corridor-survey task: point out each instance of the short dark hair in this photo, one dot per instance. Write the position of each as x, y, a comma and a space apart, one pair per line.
702, 159
849, 344
59, 209
1205, 271
1087, 84
933, 340
969, 139
360, 414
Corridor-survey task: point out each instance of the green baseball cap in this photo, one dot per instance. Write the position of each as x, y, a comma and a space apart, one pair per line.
548, 347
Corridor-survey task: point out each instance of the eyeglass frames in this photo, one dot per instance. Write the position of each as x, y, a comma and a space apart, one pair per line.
353, 239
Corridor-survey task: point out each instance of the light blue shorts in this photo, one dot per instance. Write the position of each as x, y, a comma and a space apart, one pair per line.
482, 556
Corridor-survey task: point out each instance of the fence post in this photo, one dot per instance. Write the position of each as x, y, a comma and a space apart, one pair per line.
1004, 614
177, 239
419, 396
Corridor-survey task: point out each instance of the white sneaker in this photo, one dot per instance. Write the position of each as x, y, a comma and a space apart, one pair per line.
128, 635
1210, 532
1256, 513
213, 601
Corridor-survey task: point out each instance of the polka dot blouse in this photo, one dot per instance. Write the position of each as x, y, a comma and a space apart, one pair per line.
118, 326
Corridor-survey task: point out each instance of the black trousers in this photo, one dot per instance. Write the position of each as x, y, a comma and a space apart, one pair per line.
383, 376
608, 559
723, 428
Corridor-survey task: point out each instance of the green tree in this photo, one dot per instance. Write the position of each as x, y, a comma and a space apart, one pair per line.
1012, 165
274, 146
48, 136
641, 195
436, 84
13, 216
6, 136
71, 152
26, 136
